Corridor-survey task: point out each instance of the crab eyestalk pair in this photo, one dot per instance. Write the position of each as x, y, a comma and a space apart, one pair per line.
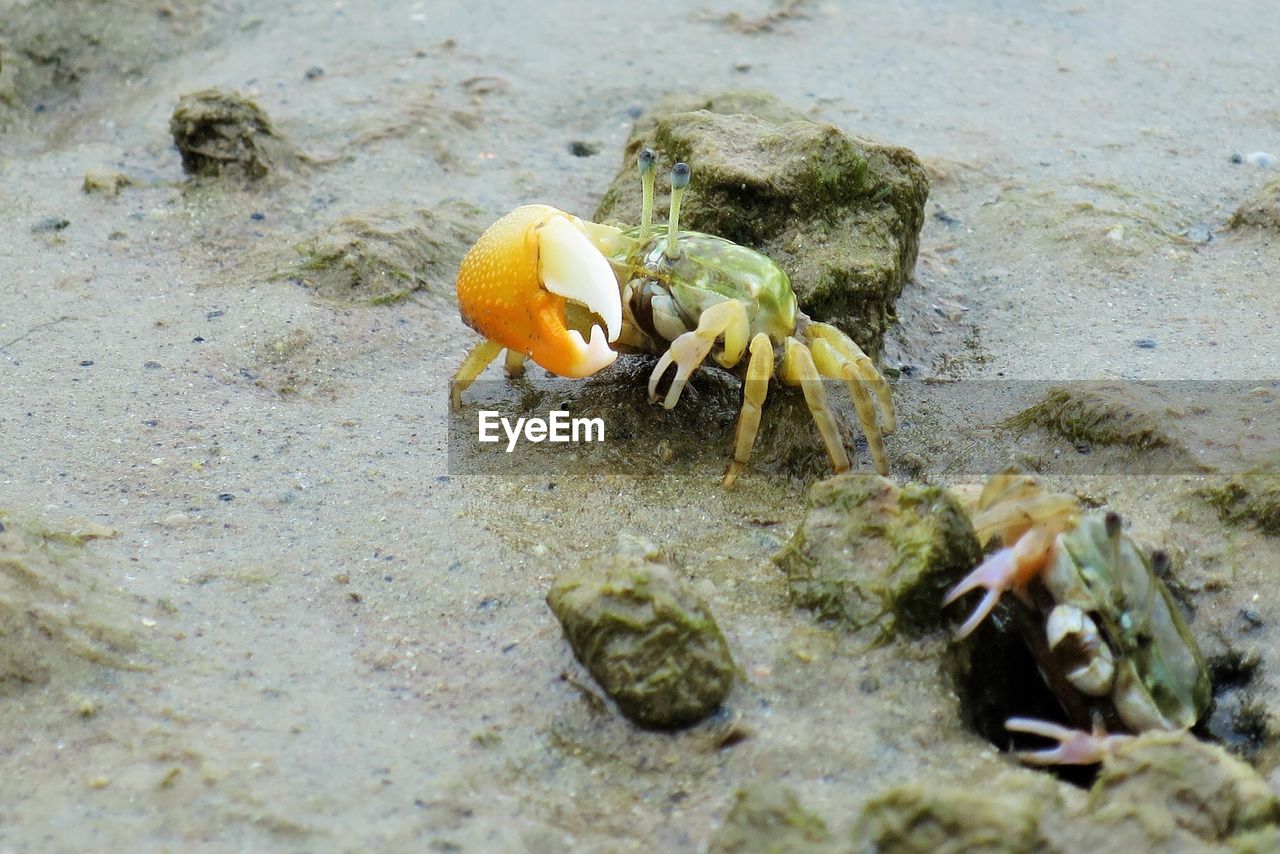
680, 173
546, 285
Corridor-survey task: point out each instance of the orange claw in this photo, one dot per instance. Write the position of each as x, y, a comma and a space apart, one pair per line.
515, 282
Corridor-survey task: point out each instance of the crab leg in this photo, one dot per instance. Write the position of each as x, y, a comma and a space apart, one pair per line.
728, 318
863, 367
515, 363
1011, 568
831, 363
1075, 746
472, 366
754, 389
1010, 519
798, 369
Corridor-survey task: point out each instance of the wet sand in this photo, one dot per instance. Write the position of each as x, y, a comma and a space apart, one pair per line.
347, 644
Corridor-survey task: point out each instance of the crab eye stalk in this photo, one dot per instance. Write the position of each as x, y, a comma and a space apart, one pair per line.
679, 181
645, 163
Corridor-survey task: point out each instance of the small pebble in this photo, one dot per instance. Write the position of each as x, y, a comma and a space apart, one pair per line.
1261, 159
1145, 344
1200, 233
583, 148
50, 224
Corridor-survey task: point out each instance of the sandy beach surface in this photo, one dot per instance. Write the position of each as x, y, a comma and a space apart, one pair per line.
325, 638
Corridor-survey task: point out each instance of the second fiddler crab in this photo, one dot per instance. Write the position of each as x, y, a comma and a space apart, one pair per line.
570, 294
1102, 625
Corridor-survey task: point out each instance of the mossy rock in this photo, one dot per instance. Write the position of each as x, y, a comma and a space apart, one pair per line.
220, 133
870, 552
933, 819
384, 255
768, 818
840, 214
1261, 210
650, 643
1179, 782
1253, 497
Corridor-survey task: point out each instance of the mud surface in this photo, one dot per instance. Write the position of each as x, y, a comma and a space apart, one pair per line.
350, 644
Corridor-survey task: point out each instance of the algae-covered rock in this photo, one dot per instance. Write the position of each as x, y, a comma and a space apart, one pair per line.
931, 819
1253, 497
1097, 414
768, 818
841, 215
384, 255
224, 133
55, 614
868, 551
1261, 210
652, 645
1173, 781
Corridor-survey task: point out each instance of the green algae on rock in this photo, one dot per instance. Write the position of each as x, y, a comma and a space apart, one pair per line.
384, 255
1253, 497
220, 133
1170, 782
929, 818
768, 817
841, 215
870, 552
650, 643
55, 615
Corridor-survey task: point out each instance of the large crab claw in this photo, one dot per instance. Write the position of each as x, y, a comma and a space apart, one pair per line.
517, 280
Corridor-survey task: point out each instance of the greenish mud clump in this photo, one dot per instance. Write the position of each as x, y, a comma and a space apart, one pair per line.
1098, 415
768, 818
926, 818
55, 615
841, 215
1251, 497
385, 255
224, 134
649, 642
105, 182
870, 552
1172, 784
1261, 210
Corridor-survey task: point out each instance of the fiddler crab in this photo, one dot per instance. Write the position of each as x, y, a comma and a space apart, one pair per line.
571, 294
1106, 633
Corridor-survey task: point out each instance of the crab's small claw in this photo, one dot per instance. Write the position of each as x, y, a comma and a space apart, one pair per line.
1010, 568
1075, 746
516, 281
